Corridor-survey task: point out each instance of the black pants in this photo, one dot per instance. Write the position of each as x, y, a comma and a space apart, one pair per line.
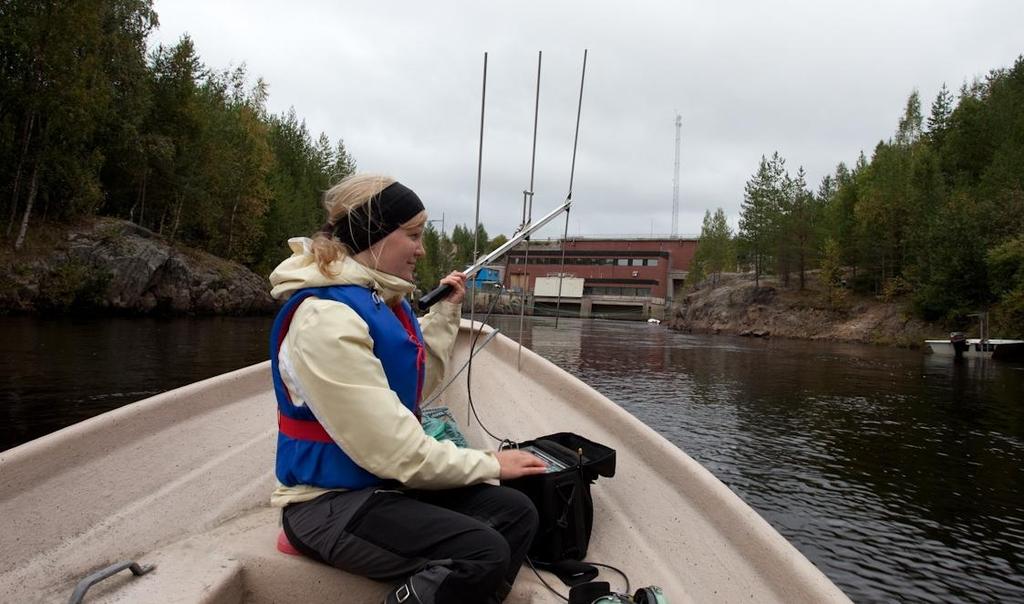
454, 545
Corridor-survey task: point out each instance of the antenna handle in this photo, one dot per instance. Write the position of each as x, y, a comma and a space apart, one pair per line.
434, 296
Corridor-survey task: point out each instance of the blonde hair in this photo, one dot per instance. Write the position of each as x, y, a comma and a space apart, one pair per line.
350, 193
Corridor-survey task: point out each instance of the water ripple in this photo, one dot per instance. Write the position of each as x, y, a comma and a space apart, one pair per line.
900, 476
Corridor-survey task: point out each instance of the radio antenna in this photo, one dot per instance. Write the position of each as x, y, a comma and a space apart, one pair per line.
572, 174
528, 212
479, 172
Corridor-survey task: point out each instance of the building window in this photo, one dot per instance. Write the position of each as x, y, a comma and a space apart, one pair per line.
606, 290
557, 259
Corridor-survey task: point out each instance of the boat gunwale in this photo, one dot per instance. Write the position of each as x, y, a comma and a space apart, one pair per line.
44, 446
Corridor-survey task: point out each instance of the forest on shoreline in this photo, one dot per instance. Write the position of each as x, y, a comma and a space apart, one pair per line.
95, 123
935, 217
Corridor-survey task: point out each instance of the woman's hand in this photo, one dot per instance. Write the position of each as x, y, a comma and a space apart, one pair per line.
458, 282
515, 463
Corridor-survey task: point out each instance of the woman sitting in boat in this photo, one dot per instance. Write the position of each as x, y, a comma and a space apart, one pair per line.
363, 487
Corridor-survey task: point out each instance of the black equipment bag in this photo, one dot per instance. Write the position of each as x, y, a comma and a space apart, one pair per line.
562, 495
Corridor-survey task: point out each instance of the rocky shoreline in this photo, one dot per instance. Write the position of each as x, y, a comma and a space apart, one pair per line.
115, 266
739, 307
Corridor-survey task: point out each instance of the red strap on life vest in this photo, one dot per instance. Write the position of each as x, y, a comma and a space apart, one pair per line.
421, 353
302, 429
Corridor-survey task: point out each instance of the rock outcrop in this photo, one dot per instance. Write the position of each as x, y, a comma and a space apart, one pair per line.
737, 306
118, 266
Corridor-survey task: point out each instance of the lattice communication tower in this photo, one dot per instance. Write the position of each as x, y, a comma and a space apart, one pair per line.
675, 181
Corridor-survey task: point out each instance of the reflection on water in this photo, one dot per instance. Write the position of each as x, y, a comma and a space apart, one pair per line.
899, 474
56, 372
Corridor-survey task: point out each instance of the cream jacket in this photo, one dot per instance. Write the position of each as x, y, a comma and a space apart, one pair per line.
327, 363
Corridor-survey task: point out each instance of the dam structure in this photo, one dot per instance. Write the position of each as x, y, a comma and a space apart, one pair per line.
603, 277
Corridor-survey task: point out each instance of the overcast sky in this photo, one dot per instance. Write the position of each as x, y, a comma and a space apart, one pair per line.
400, 82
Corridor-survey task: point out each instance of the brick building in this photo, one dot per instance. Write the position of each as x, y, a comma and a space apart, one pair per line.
633, 277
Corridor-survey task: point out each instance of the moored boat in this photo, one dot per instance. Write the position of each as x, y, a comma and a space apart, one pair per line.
182, 481
959, 345
978, 348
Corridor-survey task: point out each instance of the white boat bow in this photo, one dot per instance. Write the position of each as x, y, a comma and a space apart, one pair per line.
182, 480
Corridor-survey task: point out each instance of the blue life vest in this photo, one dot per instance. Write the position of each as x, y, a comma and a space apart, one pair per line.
306, 454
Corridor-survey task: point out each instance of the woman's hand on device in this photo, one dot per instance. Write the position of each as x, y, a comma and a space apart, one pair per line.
515, 464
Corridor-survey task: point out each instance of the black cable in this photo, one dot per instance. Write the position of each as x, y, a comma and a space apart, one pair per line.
609, 566
537, 572
505, 443
552, 589
469, 367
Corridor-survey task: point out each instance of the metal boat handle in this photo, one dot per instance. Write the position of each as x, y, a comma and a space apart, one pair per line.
84, 585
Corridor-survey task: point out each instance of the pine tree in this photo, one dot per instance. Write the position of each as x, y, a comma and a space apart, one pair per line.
715, 252
725, 253
697, 272
462, 245
783, 241
803, 225
827, 190
760, 211
938, 121
343, 163
705, 253
831, 269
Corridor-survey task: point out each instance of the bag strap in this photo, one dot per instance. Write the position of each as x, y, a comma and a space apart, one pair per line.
563, 520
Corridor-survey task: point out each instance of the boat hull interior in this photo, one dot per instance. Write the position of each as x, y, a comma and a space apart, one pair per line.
182, 480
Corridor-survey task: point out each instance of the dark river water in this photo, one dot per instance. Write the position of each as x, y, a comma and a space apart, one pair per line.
900, 475
56, 372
